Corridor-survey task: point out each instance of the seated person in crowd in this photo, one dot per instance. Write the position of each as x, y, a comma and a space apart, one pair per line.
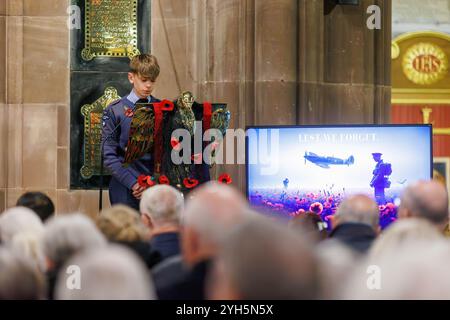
19, 279
39, 203
212, 211
121, 224
426, 200
65, 236
310, 225
111, 273
21, 231
262, 260
356, 222
161, 207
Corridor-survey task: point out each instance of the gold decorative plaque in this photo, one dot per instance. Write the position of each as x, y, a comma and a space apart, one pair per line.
110, 29
93, 114
420, 71
425, 63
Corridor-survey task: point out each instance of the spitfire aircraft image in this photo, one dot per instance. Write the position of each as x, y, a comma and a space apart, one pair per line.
325, 162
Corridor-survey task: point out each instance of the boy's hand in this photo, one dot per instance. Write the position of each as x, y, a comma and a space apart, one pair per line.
137, 191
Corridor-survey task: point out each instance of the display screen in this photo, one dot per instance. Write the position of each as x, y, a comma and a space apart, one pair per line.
291, 170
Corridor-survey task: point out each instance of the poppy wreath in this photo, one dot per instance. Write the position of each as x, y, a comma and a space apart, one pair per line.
190, 183
145, 181
163, 179
225, 178
149, 181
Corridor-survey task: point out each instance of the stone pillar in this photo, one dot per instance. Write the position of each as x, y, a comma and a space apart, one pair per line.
276, 61
3, 107
344, 68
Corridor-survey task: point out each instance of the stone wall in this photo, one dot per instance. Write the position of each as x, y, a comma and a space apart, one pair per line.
34, 47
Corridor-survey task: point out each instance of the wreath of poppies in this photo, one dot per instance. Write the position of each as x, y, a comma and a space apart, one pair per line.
163, 179
225, 178
190, 183
149, 181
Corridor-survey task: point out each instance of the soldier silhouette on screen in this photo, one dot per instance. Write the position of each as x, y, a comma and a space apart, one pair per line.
286, 183
380, 179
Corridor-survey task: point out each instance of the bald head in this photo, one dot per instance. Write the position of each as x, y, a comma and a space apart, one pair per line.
358, 209
214, 208
262, 260
212, 211
427, 200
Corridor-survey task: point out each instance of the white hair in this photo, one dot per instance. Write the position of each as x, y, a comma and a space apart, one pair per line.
336, 264
409, 259
19, 219
416, 270
111, 273
19, 279
402, 232
69, 234
29, 245
162, 203
214, 210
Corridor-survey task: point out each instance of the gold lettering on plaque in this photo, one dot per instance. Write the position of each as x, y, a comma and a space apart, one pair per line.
110, 29
93, 125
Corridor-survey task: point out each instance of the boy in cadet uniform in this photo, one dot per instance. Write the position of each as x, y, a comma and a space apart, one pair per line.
124, 187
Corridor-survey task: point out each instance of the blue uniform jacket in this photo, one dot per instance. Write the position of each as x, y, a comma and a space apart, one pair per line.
116, 127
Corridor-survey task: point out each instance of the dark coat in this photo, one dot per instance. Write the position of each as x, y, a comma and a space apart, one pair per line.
171, 284
357, 236
166, 244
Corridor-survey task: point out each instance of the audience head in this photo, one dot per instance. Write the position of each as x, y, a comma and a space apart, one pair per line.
161, 205
29, 245
427, 200
69, 234
358, 209
262, 260
211, 212
109, 273
336, 265
39, 203
310, 225
401, 233
413, 268
19, 279
19, 220
121, 224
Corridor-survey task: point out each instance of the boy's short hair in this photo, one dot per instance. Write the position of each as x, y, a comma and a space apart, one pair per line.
145, 65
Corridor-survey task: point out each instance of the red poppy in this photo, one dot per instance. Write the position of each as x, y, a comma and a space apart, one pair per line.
166, 105
145, 181
163, 179
197, 158
175, 143
225, 178
190, 183
129, 112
